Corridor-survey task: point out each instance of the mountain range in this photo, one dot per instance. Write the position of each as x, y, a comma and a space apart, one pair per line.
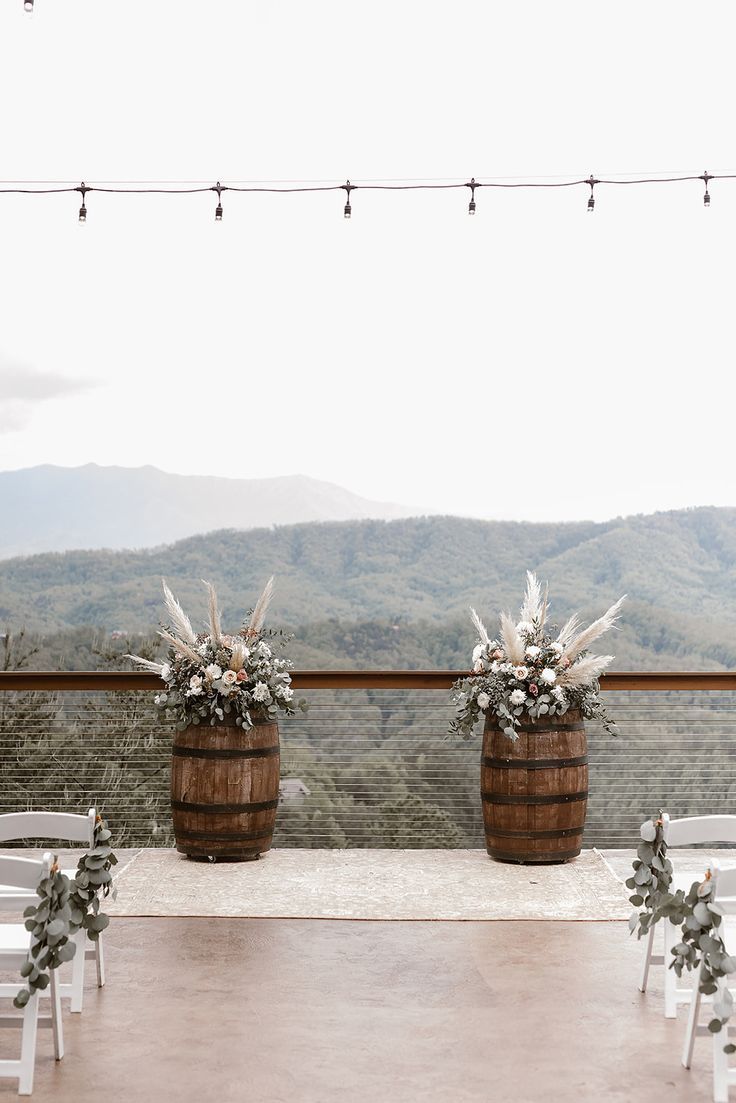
49, 508
362, 586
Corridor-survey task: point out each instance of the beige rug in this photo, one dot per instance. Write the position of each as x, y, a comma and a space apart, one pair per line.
369, 884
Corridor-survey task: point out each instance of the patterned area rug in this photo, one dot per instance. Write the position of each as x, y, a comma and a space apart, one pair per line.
369, 884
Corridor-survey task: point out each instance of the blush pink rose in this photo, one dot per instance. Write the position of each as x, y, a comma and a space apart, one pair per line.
534, 689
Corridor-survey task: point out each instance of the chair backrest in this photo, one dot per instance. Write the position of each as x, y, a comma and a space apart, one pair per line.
724, 879
699, 829
24, 873
48, 825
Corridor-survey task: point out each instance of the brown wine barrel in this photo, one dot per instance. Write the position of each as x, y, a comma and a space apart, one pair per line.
535, 789
225, 790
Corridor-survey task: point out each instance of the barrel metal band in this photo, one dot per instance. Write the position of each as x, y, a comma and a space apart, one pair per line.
539, 729
257, 806
529, 857
522, 798
223, 836
533, 763
561, 833
224, 752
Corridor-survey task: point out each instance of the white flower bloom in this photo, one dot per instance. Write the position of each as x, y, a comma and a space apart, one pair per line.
505, 668
166, 672
477, 652
285, 693
532, 651
518, 697
229, 678
483, 701
213, 671
524, 628
521, 672
495, 667
195, 681
548, 676
559, 694
202, 649
556, 648
264, 650
478, 667
260, 692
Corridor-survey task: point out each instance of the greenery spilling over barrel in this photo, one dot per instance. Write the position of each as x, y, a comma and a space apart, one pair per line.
535, 790
225, 790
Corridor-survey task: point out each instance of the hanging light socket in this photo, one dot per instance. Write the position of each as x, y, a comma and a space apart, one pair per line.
83, 209
347, 188
591, 201
218, 208
472, 185
706, 197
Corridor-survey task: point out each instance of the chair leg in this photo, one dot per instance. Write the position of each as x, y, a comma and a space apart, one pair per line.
100, 963
647, 959
56, 1023
692, 1023
720, 1067
80, 938
28, 1046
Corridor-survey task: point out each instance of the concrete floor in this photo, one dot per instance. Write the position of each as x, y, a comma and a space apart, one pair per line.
319, 1011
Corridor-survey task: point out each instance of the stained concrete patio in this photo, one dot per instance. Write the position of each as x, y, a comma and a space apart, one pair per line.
314, 1010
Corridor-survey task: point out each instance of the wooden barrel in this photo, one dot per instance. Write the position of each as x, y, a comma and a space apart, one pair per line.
535, 789
225, 790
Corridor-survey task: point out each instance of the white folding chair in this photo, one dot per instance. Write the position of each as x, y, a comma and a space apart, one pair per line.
25, 874
684, 832
723, 893
69, 827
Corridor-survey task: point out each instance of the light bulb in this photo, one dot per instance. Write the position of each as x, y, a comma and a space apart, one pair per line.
471, 207
218, 213
591, 203
83, 213
28, 5
706, 199
348, 210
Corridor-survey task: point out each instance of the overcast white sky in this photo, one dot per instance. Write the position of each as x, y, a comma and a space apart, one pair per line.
532, 362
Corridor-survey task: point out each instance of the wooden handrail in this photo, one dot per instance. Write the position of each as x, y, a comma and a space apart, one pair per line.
125, 681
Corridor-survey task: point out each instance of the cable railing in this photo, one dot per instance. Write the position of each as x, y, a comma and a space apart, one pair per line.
371, 763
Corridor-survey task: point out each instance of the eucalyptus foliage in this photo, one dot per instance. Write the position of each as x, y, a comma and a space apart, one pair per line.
66, 907
694, 912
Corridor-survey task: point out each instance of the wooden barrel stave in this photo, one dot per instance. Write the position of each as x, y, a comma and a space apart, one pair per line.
224, 790
535, 790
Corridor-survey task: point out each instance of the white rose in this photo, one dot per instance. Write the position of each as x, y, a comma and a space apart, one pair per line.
518, 697
166, 672
483, 701
213, 671
520, 672
229, 678
260, 692
548, 676
532, 651
195, 682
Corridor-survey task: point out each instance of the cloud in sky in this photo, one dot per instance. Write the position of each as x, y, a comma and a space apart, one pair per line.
23, 388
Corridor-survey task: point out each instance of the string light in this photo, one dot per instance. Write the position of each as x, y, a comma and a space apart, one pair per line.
83, 209
472, 185
17, 187
28, 5
591, 201
348, 187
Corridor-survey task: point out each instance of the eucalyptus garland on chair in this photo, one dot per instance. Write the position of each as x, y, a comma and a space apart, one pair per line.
67, 907
49, 922
92, 877
698, 918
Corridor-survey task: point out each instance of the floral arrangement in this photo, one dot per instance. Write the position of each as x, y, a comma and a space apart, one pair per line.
529, 673
210, 676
